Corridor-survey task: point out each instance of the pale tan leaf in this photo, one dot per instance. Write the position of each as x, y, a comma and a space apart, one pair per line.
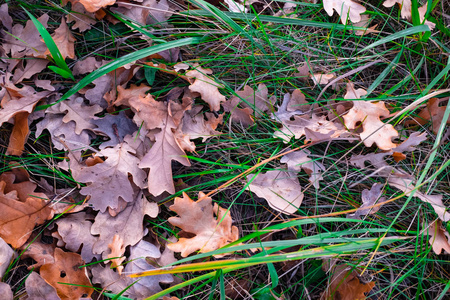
365, 21
197, 217
40, 252
299, 160
5, 291
94, 5
6, 256
207, 87
405, 6
369, 198
320, 78
347, 9
65, 41
83, 19
280, 188
440, 238
369, 114
117, 253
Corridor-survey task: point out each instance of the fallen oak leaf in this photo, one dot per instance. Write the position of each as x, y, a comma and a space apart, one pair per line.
280, 188
440, 238
117, 253
197, 217
369, 198
347, 9
67, 275
65, 41
207, 87
38, 289
94, 5
433, 112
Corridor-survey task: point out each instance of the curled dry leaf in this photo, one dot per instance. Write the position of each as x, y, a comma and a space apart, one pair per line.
345, 284
369, 114
280, 188
347, 9
67, 276
207, 87
440, 238
197, 217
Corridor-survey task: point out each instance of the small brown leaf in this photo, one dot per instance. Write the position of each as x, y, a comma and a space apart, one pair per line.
440, 238
207, 87
398, 156
38, 289
197, 217
65, 41
40, 252
94, 5
117, 251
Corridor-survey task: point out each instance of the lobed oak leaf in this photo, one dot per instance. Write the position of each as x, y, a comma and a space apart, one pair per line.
27, 68
137, 262
256, 99
26, 41
75, 110
433, 112
74, 230
83, 19
65, 41
67, 275
405, 6
116, 127
127, 224
147, 12
108, 181
238, 115
207, 87
297, 128
345, 284
369, 198
117, 253
5, 18
38, 289
319, 78
280, 188
347, 9
94, 5
440, 238
365, 21
133, 92
19, 215
197, 127
299, 160
197, 217
369, 114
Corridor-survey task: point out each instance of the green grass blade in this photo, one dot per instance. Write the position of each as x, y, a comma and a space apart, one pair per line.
397, 35
50, 43
117, 63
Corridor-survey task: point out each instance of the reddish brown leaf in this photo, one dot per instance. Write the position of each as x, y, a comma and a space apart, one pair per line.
67, 276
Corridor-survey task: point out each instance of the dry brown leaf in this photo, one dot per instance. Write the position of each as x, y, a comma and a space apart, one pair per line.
405, 6
369, 198
207, 87
116, 127
369, 114
299, 160
38, 289
197, 217
67, 276
238, 115
94, 5
280, 188
145, 286
83, 19
5, 291
346, 284
109, 181
6, 256
147, 12
365, 21
19, 215
77, 111
65, 41
433, 112
19, 134
40, 252
319, 78
5, 18
440, 238
256, 99
347, 9
26, 41
127, 224
134, 91
297, 127
27, 68
195, 126
406, 185
117, 253
74, 230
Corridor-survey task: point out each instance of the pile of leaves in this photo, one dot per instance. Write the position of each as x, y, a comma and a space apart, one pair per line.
121, 145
